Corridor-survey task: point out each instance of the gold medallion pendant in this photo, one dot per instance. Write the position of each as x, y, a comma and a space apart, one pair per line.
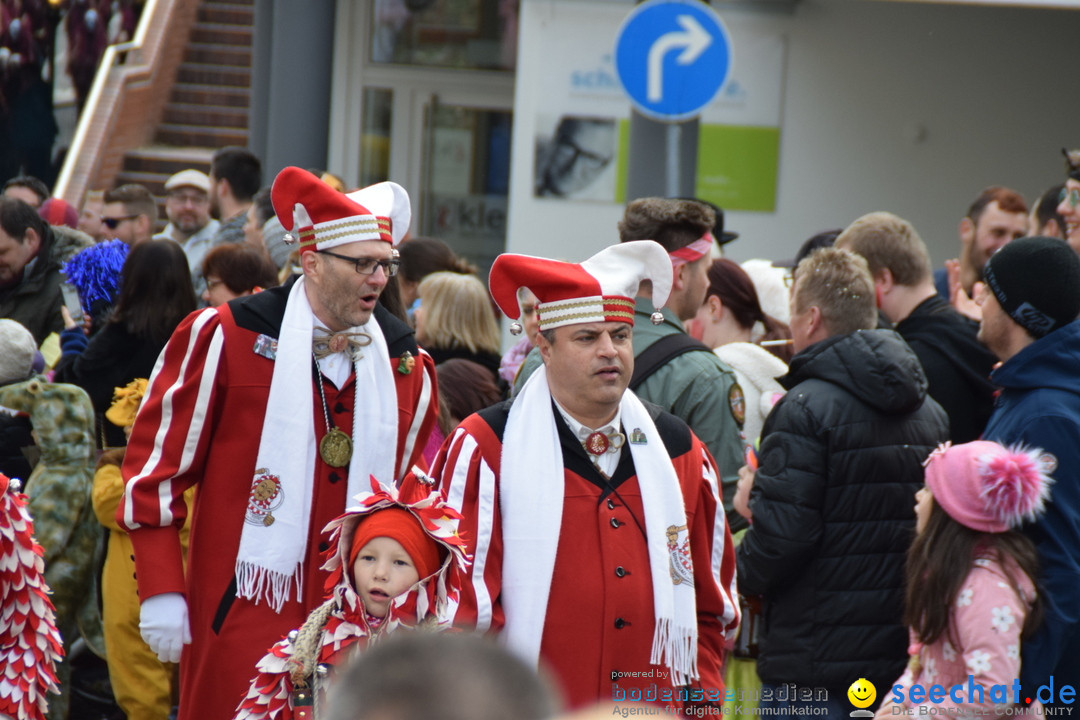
335, 448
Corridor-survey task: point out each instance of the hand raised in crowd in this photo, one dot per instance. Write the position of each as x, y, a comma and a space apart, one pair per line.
958, 298
741, 502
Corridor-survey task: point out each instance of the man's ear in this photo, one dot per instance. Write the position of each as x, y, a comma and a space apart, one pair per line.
677, 282
884, 281
32, 240
145, 225
814, 322
545, 347
223, 188
309, 263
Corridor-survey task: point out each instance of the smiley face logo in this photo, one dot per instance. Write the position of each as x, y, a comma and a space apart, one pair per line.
862, 693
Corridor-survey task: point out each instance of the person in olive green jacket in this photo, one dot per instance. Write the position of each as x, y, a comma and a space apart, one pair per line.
672, 370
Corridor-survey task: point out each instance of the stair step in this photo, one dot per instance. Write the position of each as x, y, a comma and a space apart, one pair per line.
152, 181
219, 34
167, 160
226, 14
194, 135
213, 75
213, 54
214, 95
195, 114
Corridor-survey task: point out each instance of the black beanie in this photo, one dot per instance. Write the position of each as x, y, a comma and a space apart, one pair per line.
1036, 280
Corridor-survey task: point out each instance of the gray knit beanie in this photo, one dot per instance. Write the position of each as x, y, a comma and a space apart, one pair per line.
17, 350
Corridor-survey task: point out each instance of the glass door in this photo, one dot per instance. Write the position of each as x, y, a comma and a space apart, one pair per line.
466, 175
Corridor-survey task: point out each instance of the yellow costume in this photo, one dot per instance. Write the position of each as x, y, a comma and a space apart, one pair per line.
141, 683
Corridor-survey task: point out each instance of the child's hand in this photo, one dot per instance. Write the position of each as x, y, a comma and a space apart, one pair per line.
69, 323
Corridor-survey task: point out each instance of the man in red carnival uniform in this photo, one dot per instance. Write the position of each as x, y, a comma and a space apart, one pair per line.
598, 548
281, 406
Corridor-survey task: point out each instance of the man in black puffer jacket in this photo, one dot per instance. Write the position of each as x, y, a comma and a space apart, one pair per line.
833, 501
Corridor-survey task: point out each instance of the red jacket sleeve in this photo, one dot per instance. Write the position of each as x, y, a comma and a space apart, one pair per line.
714, 566
167, 450
466, 469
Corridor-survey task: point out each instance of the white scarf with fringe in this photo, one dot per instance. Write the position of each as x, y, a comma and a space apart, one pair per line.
269, 564
531, 502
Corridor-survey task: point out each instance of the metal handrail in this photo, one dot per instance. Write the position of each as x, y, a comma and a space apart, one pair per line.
122, 66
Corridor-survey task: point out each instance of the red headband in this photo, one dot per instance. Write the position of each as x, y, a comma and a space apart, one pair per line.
692, 252
401, 525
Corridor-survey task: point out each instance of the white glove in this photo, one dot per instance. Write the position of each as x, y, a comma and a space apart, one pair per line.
163, 622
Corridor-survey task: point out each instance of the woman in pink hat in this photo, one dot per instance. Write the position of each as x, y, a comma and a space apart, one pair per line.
971, 580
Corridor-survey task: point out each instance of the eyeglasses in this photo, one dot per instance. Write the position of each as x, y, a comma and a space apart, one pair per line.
1073, 196
367, 266
113, 223
183, 198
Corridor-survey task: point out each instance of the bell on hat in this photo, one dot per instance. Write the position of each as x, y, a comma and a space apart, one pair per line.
601, 289
320, 218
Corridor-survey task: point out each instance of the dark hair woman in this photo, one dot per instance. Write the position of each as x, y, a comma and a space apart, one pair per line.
735, 326
155, 295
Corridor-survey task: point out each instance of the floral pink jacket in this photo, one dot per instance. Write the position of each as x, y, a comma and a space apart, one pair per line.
983, 641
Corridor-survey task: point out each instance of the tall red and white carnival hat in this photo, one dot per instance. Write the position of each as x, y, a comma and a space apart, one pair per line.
320, 218
600, 289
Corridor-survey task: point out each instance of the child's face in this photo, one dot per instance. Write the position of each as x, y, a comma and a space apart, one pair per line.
924, 502
382, 571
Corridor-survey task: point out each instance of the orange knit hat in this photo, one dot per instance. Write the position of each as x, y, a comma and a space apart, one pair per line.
400, 525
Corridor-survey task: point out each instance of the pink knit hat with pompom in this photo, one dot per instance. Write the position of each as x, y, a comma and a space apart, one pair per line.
987, 487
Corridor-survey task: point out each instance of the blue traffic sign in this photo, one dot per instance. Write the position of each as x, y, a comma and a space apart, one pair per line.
672, 57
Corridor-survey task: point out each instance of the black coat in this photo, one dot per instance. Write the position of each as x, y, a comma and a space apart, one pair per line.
113, 358
956, 364
833, 503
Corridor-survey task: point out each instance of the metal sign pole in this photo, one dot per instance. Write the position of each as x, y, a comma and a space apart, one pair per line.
674, 140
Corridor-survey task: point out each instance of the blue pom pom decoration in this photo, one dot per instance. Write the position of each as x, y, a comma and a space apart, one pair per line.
95, 272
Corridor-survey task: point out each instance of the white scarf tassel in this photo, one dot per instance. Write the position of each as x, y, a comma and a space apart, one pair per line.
256, 582
680, 649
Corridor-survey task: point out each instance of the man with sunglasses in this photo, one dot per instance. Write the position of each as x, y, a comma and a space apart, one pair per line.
129, 215
280, 406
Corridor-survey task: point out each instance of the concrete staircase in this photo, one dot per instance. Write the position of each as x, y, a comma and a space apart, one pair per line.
208, 104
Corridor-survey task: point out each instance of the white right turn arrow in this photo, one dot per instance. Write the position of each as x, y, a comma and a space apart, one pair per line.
692, 38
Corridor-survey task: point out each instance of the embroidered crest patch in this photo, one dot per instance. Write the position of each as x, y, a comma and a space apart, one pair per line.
682, 565
266, 496
737, 402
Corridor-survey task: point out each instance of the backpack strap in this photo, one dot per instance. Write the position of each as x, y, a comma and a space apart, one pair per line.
659, 353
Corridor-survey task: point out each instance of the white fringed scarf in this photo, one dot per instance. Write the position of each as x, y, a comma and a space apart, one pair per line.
531, 500
270, 560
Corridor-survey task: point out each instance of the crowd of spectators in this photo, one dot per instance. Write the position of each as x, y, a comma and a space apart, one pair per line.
819, 413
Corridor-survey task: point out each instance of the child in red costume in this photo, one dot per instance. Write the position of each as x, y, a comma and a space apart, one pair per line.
395, 562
